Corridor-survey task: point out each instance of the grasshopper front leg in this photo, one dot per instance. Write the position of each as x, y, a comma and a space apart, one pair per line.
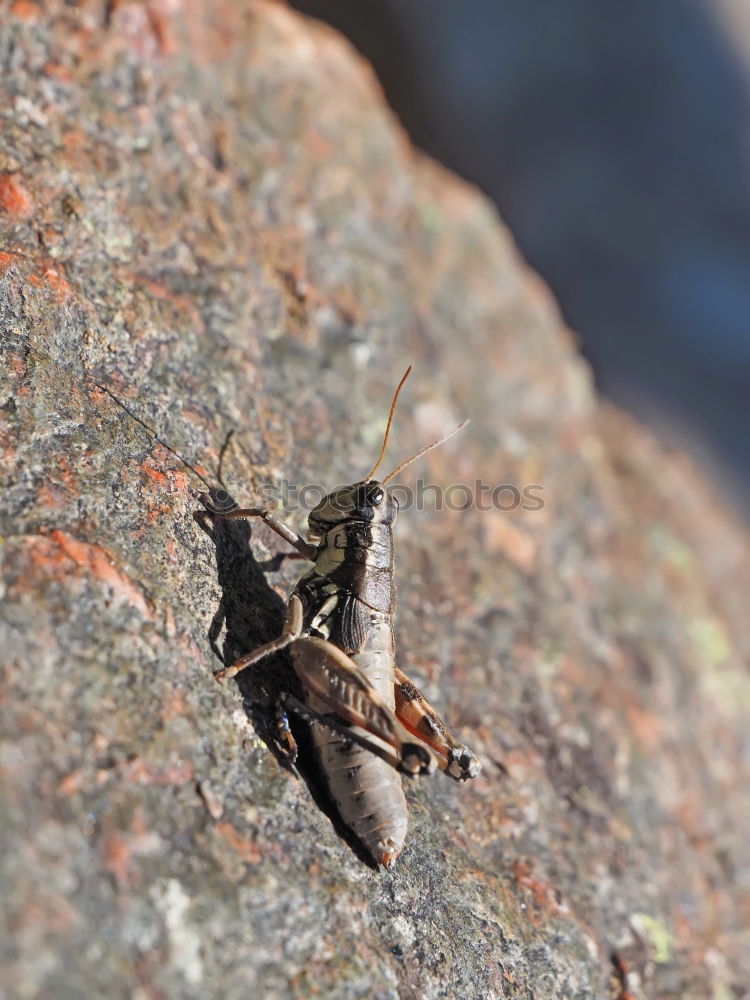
304, 548
418, 717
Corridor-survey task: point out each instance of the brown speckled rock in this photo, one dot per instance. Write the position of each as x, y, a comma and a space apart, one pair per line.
207, 213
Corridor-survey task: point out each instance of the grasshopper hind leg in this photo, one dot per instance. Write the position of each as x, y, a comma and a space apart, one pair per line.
416, 714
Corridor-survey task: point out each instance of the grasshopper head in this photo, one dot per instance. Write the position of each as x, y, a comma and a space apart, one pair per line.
368, 501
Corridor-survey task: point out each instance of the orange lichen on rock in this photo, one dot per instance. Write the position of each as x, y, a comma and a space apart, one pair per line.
6, 260
502, 535
15, 200
542, 894
179, 772
57, 283
96, 561
24, 10
154, 474
117, 857
182, 304
248, 850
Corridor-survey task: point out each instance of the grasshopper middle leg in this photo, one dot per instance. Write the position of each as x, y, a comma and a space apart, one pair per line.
292, 631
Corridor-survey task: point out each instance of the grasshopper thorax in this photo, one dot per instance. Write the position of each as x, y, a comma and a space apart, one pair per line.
367, 502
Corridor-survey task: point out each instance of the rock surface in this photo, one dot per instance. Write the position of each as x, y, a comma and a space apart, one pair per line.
210, 223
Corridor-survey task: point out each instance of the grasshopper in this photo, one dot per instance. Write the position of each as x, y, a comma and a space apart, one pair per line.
369, 722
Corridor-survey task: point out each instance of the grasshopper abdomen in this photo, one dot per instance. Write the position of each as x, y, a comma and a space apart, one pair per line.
367, 791
353, 580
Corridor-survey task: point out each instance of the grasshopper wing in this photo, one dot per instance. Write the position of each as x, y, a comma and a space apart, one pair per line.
356, 709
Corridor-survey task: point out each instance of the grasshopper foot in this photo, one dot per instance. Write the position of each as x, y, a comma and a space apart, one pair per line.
285, 742
462, 764
416, 760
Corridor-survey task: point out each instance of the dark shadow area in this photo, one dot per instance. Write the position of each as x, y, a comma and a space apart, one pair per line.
613, 139
251, 614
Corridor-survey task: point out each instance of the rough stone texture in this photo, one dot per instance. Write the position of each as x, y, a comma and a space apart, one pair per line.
206, 210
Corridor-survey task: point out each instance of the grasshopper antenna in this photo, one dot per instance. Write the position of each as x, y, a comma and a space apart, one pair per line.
388, 426
435, 444
157, 438
222, 453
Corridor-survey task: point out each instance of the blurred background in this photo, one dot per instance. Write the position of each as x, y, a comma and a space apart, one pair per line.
615, 140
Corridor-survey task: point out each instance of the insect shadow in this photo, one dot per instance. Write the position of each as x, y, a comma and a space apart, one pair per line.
251, 613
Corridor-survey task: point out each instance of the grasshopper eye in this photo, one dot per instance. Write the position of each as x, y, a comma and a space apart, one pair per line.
368, 495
